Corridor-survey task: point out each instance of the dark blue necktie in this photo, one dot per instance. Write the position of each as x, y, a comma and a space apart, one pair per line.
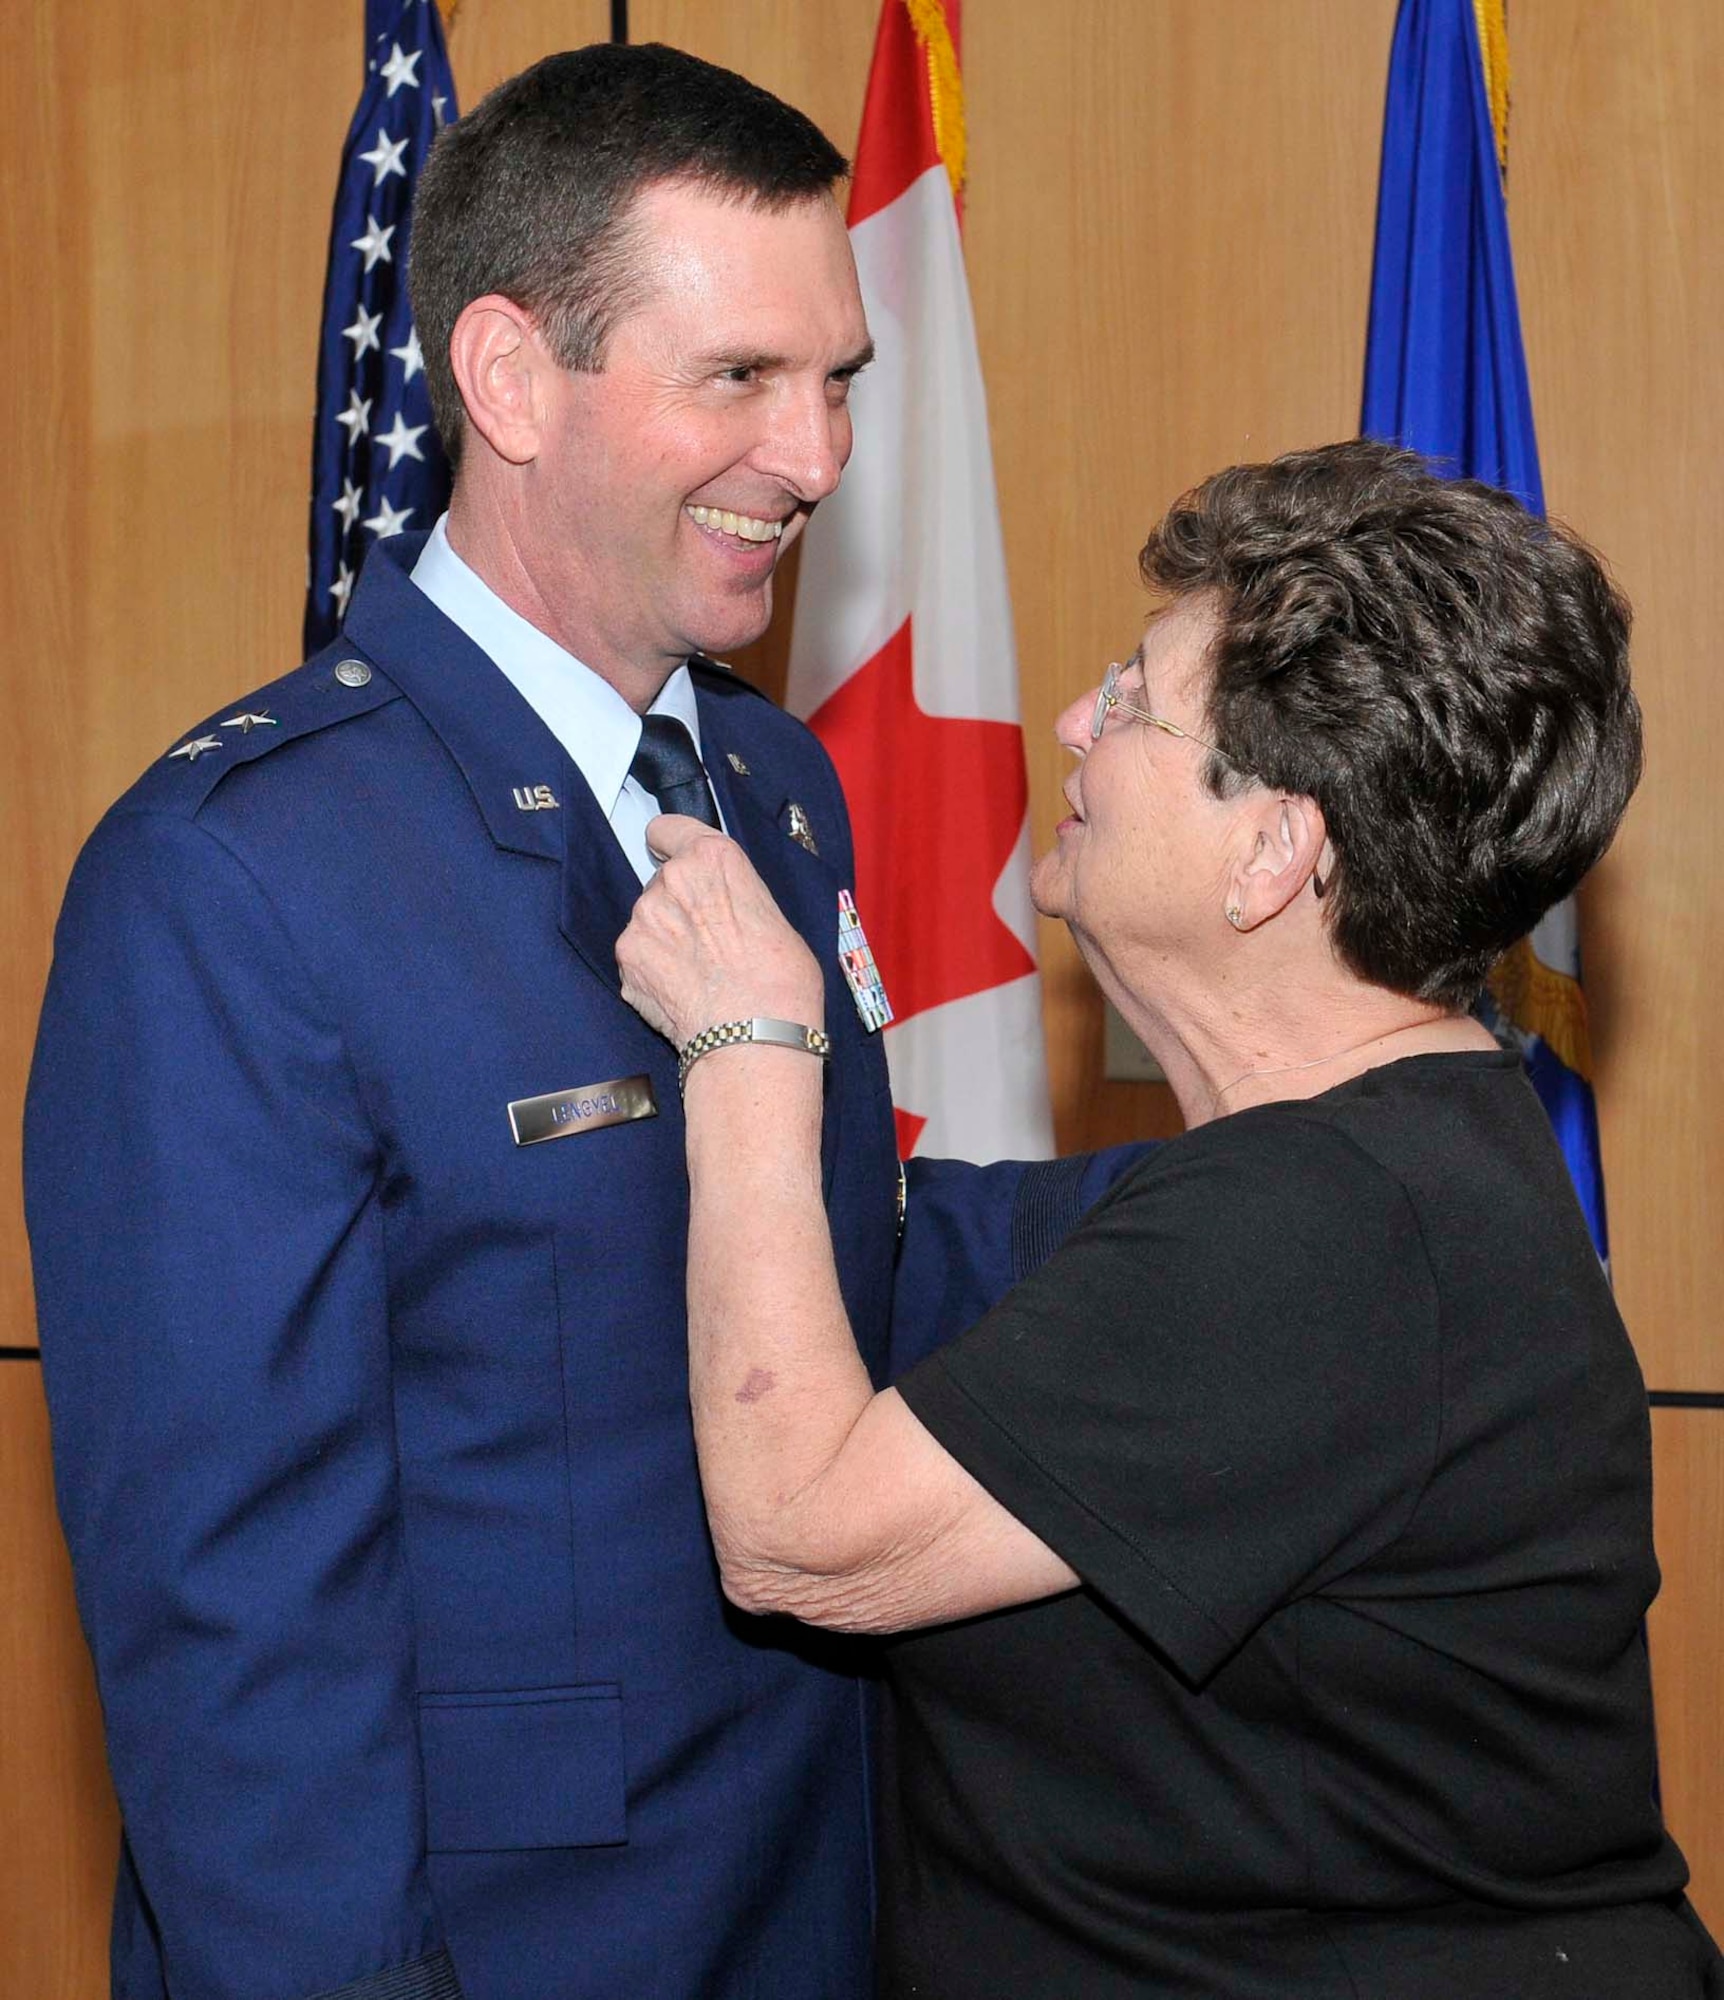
668, 765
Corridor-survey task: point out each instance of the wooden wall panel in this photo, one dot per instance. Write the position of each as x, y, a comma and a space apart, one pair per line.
167, 228
59, 1832
1169, 233
1617, 205
1686, 1632
491, 39
40, 410
164, 240
814, 57
1616, 199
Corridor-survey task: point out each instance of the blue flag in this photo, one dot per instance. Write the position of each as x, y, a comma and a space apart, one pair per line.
1445, 374
377, 467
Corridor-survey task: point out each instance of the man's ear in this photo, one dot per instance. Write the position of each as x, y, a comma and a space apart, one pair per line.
498, 359
1282, 842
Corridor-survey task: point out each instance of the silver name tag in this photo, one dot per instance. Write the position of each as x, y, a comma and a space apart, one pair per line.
559, 1114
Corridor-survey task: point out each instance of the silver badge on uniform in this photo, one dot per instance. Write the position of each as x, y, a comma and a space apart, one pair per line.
861, 974
562, 1114
800, 830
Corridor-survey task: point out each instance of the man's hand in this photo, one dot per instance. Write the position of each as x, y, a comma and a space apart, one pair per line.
707, 943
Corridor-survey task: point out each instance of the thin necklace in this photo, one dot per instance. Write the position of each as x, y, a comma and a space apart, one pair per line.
1316, 1062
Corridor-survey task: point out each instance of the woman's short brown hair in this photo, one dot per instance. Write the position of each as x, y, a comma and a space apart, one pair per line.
1443, 673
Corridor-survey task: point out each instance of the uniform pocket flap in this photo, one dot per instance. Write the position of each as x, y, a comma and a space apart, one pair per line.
540, 1767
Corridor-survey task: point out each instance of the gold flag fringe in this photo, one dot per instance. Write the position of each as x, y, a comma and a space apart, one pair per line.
1545, 1003
1492, 16
945, 86
1528, 992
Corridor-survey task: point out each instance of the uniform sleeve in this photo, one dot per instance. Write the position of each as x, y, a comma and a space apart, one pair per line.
207, 1241
970, 1232
1223, 1389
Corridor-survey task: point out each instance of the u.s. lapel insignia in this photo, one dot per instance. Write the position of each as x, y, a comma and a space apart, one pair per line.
736, 764
535, 799
193, 750
247, 722
800, 830
861, 974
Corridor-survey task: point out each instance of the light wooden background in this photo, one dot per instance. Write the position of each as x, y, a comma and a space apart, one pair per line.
1169, 236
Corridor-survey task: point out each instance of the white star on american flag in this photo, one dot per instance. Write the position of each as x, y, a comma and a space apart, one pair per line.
356, 418
401, 440
388, 520
400, 69
410, 355
363, 331
385, 158
375, 242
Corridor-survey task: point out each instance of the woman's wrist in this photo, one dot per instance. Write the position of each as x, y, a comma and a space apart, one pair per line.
803, 1037
752, 1115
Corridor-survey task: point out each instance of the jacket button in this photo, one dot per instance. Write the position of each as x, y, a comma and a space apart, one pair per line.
353, 673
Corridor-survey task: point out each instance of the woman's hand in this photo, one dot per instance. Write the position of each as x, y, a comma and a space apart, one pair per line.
707, 943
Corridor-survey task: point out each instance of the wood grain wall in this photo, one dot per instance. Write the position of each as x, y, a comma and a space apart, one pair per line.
1169, 232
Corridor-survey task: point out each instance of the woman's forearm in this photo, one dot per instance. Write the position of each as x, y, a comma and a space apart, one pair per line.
775, 1380
826, 1500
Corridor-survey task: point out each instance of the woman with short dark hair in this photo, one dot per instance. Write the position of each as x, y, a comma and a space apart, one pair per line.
1309, 1480
1446, 677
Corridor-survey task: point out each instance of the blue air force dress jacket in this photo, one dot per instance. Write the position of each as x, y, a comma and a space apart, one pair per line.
371, 1425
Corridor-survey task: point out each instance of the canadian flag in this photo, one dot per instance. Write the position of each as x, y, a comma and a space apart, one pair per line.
902, 658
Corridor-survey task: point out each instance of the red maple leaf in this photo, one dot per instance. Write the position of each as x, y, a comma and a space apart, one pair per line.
937, 805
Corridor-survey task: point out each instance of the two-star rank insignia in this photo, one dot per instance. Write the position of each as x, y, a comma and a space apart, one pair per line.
246, 723
193, 750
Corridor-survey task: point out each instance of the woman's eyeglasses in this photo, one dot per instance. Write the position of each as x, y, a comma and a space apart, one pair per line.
1110, 698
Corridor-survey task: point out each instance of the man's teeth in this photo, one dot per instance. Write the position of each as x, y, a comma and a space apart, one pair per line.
742, 525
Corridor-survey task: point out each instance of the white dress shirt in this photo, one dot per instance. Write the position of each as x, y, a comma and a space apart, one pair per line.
580, 708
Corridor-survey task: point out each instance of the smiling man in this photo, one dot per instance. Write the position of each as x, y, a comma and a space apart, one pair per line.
357, 1194
633, 503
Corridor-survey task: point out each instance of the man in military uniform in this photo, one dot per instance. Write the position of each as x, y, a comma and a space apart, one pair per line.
357, 1195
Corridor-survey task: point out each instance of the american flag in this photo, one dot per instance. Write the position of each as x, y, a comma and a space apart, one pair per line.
377, 467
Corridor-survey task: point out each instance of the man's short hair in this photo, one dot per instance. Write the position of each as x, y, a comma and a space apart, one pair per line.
531, 194
1445, 674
